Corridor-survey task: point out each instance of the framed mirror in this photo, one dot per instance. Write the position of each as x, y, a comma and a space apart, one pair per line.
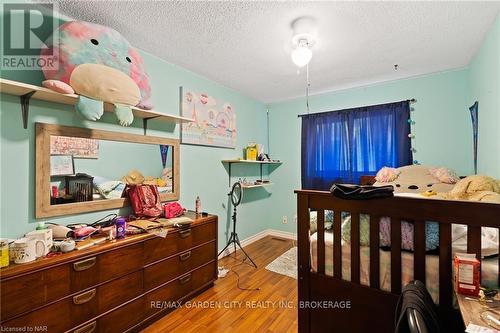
84, 170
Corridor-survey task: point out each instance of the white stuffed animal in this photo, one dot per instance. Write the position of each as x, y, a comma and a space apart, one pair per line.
416, 179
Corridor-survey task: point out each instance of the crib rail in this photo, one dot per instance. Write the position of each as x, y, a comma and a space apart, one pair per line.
473, 214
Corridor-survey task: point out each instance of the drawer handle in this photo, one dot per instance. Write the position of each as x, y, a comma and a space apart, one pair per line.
185, 279
185, 256
84, 297
185, 233
87, 328
84, 264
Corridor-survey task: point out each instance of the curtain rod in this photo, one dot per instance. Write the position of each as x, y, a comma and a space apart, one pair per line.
413, 100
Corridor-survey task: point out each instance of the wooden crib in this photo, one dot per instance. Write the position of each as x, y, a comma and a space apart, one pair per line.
372, 309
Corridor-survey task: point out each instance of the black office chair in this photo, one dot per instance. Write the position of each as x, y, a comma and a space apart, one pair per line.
416, 311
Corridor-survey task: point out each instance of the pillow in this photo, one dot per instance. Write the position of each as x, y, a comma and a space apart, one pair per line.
431, 233
489, 236
58, 86
489, 240
106, 187
387, 174
117, 192
364, 229
416, 179
313, 223
444, 175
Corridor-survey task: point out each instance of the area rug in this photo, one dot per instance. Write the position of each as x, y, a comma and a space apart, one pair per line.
285, 264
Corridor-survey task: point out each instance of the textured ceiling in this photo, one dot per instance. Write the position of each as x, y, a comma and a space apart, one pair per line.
246, 45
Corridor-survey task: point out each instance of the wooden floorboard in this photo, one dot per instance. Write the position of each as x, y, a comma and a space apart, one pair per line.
259, 311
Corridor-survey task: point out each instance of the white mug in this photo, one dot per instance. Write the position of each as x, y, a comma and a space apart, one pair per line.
27, 250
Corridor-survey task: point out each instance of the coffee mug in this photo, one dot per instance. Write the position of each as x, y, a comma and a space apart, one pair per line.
27, 250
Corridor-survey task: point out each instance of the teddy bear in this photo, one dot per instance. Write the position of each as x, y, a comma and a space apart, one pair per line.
475, 188
99, 65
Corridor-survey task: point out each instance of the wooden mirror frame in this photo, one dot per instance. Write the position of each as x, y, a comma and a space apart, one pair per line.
43, 208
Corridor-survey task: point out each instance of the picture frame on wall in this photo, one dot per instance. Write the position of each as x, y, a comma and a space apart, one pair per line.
77, 147
62, 165
214, 122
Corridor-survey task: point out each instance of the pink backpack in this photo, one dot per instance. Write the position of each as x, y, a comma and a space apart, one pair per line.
173, 209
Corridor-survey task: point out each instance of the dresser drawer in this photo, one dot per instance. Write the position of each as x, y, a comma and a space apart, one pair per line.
100, 268
157, 300
182, 240
169, 269
27, 292
61, 315
72, 311
117, 292
123, 318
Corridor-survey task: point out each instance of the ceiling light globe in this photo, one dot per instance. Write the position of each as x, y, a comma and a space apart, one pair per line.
301, 56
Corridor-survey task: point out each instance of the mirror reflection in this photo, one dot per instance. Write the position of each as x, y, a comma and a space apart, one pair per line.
83, 169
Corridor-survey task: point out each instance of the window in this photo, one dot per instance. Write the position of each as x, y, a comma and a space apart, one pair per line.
341, 146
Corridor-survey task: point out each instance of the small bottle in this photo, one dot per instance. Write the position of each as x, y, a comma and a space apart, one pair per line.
4, 250
198, 205
55, 192
120, 227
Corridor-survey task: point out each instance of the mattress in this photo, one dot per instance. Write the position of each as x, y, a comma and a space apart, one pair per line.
489, 267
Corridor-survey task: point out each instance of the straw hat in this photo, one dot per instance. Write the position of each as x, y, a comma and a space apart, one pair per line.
134, 177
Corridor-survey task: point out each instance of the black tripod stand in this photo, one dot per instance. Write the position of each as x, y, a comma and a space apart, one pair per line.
235, 195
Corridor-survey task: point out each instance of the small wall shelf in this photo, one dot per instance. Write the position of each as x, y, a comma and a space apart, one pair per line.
251, 162
256, 185
27, 91
260, 163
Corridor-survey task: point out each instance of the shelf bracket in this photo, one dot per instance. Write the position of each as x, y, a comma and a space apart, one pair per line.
25, 107
145, 123
230, 173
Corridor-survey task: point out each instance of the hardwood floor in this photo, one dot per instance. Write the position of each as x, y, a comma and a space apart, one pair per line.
229, 309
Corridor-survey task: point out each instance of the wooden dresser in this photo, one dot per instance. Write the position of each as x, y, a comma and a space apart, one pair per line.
118, 286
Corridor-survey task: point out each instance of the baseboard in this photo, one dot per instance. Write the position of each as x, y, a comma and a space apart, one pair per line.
258, 236
282, 234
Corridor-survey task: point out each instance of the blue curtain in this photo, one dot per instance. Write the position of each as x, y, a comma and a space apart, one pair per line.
341, 146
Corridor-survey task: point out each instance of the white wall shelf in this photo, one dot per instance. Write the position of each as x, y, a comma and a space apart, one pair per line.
260, 163
28, 91
248, 186
251, 162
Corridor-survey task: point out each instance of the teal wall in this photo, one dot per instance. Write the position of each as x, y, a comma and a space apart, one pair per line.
442, 129
484, 86
202, 173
